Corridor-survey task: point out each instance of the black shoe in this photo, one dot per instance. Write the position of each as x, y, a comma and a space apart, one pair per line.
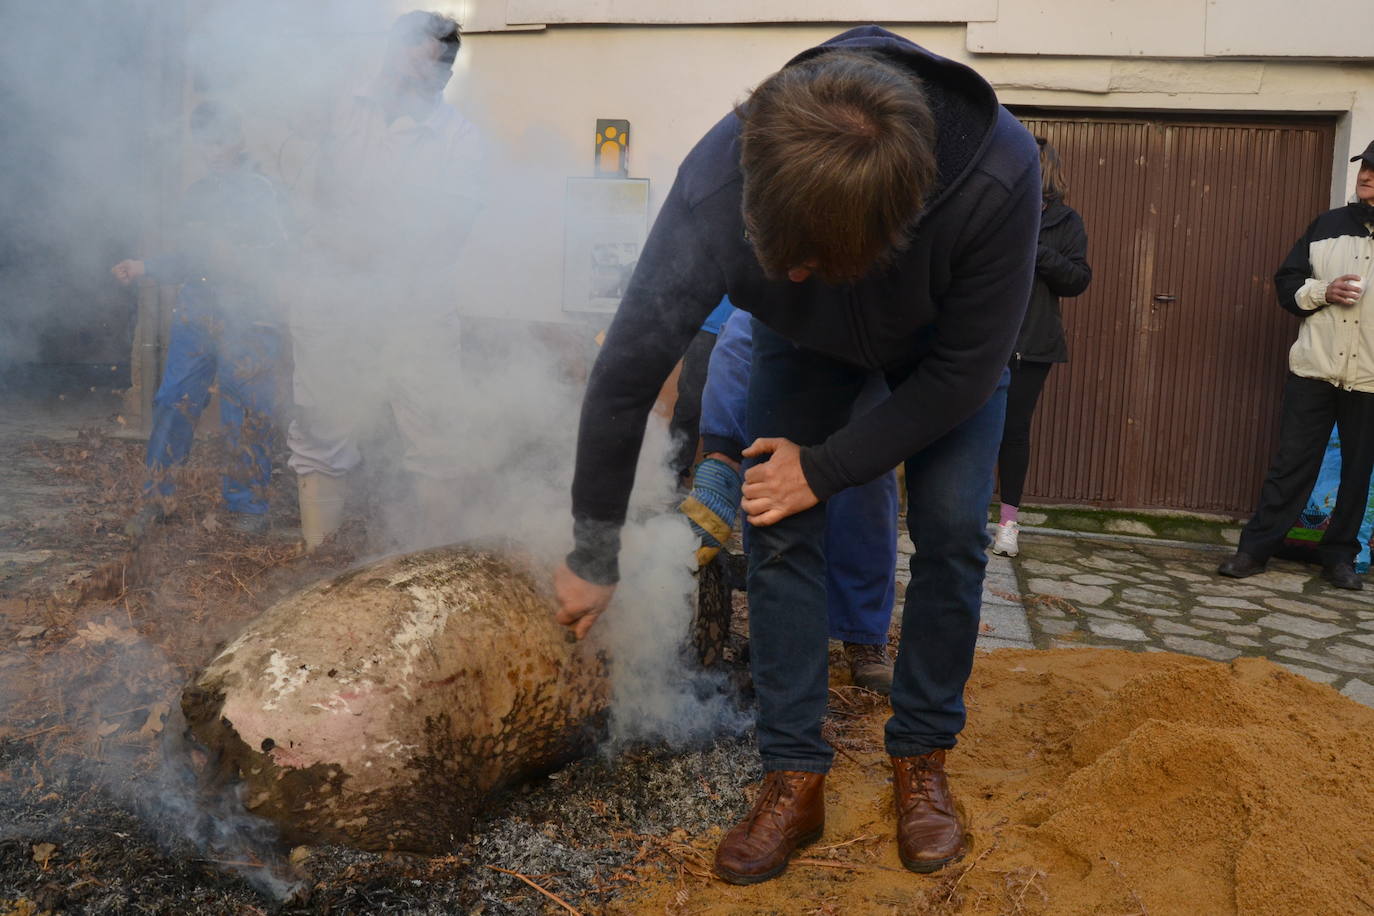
1240, 566
1343, 575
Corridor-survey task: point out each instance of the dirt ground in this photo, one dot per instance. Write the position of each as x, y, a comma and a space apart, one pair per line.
1099, 781
1095, 781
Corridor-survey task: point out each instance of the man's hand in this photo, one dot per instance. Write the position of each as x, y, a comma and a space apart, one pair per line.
776, 488
127, 271
1344, 290
579, 602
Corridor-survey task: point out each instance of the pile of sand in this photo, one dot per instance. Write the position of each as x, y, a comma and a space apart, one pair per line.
1104, 781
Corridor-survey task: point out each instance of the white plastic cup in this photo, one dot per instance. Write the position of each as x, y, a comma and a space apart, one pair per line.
1358, 283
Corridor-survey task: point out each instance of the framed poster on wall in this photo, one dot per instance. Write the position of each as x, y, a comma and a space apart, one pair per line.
605, 223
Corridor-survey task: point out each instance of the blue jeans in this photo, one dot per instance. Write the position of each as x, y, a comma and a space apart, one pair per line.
861, 522
245, 360
805, 396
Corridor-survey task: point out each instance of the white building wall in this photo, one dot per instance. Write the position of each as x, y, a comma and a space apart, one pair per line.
1168, 28
537, 89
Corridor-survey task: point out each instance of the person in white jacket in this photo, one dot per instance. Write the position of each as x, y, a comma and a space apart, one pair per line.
375, 325
1330, 383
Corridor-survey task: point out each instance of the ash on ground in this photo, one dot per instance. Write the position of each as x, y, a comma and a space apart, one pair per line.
580, 833
95, 646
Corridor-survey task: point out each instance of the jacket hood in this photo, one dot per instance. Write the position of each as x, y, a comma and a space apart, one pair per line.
964, 105
1055, 213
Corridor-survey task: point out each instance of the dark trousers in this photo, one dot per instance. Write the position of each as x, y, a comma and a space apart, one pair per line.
860, 523
683, 427
1013, 460
1310, 409
805, 396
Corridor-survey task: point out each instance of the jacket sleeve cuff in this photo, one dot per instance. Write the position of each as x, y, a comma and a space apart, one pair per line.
596, 548
823, 478
1311, 296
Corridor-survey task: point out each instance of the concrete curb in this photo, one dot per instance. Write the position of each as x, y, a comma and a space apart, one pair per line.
1121, 538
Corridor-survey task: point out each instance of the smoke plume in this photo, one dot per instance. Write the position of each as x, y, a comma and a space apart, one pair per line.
465, 429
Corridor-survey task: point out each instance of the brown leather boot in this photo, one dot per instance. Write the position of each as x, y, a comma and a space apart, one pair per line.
929, 832
788, 813
869, 667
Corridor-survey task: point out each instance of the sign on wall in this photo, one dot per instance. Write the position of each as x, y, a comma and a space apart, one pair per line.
612, 148
605, 223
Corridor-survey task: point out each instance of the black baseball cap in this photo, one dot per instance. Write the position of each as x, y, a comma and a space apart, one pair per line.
1367, 155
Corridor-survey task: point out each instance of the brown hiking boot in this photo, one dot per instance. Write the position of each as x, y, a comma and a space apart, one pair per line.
869, 667
789, 812
930, 834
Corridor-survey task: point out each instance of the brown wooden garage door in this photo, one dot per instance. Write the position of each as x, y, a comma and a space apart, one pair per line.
1178, 349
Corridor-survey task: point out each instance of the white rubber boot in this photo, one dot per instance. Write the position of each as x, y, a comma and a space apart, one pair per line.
1004, 544
322, 506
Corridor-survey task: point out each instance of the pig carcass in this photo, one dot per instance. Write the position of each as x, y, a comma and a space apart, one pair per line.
384, 708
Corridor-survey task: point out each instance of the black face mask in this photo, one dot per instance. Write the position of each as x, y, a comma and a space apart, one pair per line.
437, 77
440, 71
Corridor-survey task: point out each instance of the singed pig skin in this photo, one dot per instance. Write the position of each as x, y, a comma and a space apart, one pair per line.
385, 708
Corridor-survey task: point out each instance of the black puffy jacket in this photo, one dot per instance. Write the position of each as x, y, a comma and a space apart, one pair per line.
1061, 269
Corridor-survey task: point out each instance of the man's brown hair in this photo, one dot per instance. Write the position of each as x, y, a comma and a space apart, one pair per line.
838, 154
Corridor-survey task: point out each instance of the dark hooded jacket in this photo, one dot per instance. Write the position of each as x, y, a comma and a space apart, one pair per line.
939, 322
1061, 269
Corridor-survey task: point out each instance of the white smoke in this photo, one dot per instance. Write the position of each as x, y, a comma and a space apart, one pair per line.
121, 730
94, 154
658, 693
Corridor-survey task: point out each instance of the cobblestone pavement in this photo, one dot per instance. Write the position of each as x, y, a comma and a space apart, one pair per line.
35, 504
1065, 591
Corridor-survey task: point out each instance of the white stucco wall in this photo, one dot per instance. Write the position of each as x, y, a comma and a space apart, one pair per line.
1158, 28
538, 92
538, 95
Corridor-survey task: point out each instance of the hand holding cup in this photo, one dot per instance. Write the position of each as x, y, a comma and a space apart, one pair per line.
1344, 290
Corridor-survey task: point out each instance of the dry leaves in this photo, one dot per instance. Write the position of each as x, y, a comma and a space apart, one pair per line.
157, 715
96, 634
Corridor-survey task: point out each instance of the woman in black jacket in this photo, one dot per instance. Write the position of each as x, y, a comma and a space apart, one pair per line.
1061, 269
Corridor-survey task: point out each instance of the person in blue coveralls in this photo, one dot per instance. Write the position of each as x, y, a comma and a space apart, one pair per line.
875, 211
684, 427
226, 328
860, 522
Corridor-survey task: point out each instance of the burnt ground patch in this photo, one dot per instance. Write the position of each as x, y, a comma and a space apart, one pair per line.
584, 833
99, 812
